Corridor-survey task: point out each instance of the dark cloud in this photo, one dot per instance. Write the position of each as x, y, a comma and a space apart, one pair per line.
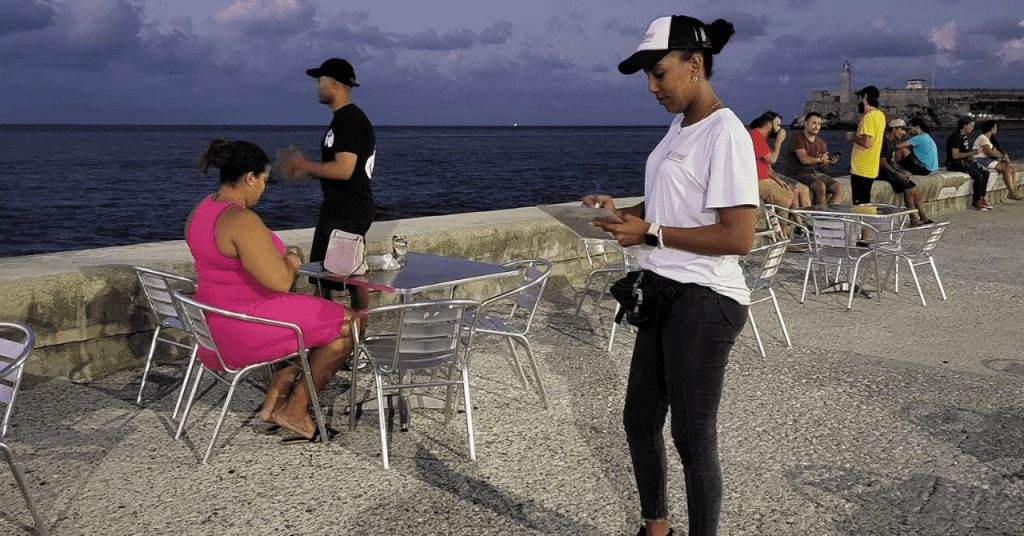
1001, 28
748, 26
430, 40
795, 55
496, 34
622, 28
269, 20
26, 16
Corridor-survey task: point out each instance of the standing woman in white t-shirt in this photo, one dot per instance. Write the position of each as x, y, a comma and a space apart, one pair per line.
700, 198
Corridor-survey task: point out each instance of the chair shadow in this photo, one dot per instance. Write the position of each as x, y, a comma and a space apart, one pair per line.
528, 513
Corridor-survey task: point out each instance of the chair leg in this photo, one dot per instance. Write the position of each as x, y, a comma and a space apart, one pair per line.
583, 296
757, 335
20, 479
149, 363
223, 412
917, 282
382, 420
469, 411
352, 391
313, 398
937, 278
536, 371
515, 361
853, 284
778, 311
191, 399
611, 336
184, 381
807, 275
878, 281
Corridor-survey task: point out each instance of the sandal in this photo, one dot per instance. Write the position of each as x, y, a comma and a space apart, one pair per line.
300, 440
1016, 196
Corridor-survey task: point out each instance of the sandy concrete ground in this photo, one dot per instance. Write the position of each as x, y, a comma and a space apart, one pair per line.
889, 419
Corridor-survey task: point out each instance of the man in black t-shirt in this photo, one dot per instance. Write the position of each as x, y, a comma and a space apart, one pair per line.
347, 152
958, 153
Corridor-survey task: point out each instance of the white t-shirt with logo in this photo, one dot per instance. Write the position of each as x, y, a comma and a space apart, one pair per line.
692, 172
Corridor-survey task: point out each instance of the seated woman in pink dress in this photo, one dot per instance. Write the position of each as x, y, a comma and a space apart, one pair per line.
244, 267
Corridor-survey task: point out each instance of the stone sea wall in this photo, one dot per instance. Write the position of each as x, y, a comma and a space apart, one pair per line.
91, 319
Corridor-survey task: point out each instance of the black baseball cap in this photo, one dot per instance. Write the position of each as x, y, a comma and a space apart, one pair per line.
677, 32
337, 69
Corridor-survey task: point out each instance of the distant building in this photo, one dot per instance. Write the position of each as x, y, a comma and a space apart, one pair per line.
939, 107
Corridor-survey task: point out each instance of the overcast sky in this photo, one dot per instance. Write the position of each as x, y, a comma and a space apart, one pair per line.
468, 62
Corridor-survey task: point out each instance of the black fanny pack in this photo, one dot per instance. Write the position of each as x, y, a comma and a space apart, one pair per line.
643, 296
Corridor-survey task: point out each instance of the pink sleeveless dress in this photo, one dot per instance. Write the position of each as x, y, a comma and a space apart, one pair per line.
224, 283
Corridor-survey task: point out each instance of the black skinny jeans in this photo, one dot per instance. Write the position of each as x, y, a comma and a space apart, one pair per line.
681, 365
978, 174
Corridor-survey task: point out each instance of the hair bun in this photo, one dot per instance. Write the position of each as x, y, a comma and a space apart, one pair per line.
719, 33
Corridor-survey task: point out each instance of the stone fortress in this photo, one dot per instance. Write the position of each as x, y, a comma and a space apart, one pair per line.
939, 107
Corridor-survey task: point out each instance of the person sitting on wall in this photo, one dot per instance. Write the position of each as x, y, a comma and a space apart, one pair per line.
993, 158
890, 171
771, 187
958, 158
919, 154
807, 157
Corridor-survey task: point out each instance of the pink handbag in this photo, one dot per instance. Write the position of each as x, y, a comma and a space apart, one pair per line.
345, 254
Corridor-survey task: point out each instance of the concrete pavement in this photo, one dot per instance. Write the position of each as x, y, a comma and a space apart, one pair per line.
889, 419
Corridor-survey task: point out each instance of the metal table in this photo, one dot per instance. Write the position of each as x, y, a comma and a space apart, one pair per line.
881, 217
422, 272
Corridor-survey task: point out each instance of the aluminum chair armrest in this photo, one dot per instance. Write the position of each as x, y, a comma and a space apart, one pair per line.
29, 344
178, 296
777, 208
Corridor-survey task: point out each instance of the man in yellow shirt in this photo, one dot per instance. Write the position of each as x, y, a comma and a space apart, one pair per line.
867, 145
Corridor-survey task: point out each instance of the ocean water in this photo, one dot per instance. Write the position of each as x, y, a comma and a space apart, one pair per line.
68, 187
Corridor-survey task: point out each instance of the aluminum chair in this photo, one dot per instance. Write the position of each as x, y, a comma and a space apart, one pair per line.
427, 336
773, 229
514, 324
836, 242
606, 258
157, 286
762, 281
194, 315
915, 245
16, 343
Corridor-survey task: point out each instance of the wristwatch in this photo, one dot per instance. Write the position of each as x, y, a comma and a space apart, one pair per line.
653, 237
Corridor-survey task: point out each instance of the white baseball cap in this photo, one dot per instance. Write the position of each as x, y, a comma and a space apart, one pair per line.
677, 32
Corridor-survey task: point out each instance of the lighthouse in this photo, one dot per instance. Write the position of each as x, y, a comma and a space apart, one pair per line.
846, 94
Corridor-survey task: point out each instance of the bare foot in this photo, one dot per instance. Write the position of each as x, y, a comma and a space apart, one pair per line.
302, 425
280, 387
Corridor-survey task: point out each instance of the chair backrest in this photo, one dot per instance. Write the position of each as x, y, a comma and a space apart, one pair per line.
194, 320
827, 231
932, 241
157, 286
770, 263
773, 227
428, 334
526, 295
16, 343
599, 248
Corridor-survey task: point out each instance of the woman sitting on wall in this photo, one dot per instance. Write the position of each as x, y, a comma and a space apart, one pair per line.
242, 266
993, 158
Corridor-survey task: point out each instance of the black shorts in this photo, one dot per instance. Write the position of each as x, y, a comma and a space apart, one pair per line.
322, 237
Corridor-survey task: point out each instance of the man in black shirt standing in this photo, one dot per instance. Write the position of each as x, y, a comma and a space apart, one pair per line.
958, 153
347, 153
